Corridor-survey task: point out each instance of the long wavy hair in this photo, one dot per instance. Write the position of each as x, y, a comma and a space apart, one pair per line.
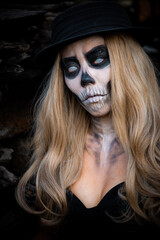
61, 125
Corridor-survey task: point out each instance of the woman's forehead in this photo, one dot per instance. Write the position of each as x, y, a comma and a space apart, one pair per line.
83, 45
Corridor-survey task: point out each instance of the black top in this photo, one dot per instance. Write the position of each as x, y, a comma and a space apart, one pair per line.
80, 222
96, 222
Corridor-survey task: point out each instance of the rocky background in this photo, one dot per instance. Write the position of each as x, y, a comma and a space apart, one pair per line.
24, 30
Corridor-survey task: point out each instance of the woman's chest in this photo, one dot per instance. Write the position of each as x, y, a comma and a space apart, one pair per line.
104, 166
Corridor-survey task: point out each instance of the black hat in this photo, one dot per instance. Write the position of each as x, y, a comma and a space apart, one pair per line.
86, 19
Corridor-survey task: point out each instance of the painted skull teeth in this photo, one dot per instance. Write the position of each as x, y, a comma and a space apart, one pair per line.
94, 99
93, 94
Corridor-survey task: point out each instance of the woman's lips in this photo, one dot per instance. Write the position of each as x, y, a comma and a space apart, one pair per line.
94, 99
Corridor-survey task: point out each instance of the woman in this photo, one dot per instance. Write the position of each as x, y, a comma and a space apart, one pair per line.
96, 159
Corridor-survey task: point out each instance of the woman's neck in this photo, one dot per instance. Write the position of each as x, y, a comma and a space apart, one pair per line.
102, 126
101, 138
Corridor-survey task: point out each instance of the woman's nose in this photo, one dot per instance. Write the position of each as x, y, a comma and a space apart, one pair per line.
86, 79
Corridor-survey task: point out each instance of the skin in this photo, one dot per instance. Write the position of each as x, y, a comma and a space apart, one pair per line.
86, 68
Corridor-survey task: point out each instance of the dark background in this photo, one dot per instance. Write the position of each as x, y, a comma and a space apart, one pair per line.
24, 30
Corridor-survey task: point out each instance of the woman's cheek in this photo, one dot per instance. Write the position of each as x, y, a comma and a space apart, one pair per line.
73, 85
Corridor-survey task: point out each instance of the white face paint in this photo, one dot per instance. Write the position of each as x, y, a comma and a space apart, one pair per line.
86, 68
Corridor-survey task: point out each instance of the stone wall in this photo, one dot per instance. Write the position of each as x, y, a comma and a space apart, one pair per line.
25, 29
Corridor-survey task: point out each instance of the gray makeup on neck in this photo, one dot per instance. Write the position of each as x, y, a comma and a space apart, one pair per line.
97, 58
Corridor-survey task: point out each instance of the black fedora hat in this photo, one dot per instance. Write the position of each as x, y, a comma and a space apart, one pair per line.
88, 18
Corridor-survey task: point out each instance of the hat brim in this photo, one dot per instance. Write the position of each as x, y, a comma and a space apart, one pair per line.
46, 56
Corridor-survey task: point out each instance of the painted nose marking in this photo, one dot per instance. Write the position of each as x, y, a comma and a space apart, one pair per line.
86, 79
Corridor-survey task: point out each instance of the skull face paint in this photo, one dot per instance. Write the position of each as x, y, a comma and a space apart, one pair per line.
86, 69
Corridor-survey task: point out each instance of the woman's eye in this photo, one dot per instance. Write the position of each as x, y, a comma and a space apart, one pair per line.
72, 69
98, 61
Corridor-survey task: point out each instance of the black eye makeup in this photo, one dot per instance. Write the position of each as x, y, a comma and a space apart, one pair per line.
70, 66
98, 57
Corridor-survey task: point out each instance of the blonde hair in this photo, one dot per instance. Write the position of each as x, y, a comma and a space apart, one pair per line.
136, 118
61, 125
58, 148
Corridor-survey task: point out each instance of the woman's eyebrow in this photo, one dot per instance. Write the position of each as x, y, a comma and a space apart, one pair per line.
70, 59
95, 50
